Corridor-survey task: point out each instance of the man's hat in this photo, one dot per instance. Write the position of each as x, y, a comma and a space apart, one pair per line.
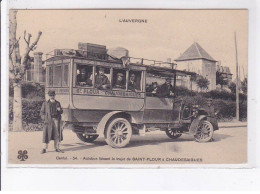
120, 74
102, 68
209, 100
168, 79
51, 93
132, 74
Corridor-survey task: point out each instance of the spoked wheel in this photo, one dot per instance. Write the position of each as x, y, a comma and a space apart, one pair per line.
172, 133
118, 133
204, 132
87, 138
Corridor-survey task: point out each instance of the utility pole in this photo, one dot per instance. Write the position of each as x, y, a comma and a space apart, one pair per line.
244, 72
237, 85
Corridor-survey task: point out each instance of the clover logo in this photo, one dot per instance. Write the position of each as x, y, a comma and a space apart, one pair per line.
22, 155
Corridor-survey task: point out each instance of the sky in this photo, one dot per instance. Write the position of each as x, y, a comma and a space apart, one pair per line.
167, 33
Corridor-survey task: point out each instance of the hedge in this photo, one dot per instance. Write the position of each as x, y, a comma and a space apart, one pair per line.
30, 110
30, 90
226, 108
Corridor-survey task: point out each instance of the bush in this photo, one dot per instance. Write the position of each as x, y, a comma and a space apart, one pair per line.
226, 108
30, 110
183, 91
224, 95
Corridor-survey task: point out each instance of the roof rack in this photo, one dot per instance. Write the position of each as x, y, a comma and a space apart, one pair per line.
132, 60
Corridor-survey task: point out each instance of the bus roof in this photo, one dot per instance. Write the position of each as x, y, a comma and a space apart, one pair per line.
153, 66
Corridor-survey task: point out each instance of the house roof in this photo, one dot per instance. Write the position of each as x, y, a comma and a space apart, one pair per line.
223, 69
195, 51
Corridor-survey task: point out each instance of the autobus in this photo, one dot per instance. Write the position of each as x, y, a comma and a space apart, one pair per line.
117, 113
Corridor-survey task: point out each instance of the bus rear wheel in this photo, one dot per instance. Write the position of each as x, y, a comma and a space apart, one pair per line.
118, 133
172, 133
87, 138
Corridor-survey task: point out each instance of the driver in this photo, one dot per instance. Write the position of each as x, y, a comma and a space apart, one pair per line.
209, 108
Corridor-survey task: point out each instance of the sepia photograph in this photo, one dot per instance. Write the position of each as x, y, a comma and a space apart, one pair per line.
128, 87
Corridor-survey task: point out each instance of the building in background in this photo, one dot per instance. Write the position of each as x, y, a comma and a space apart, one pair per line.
196, 59
36, 72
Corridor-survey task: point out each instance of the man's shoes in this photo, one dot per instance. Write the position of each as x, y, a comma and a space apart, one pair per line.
59, 150
43, 151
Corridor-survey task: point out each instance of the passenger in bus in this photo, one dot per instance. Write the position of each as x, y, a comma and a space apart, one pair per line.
151, 90
120, 81
132, 83
165, 90
101, 79
83, 79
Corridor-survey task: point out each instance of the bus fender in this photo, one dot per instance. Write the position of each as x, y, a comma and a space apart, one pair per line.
102, 124
195, 123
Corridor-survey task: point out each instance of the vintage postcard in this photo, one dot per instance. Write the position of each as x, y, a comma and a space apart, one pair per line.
139, 87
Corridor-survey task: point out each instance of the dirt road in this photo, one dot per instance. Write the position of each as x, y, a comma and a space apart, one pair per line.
230, 146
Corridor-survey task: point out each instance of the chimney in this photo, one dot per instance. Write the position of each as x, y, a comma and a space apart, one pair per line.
38, 67
169, 60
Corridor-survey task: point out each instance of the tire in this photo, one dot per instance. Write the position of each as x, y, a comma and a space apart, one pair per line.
118, 133
172, 133
87, 138
204, 132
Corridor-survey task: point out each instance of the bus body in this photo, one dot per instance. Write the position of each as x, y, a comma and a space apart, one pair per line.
93, 112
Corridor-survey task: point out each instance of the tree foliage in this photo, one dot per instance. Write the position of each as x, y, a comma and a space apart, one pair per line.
202, 83
18, 65
244, 86
221, 80
232, 87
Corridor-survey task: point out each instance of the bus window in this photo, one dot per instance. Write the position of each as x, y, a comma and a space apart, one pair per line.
159, 86
102, 78
65, 75
50, 75
84, 75
152, 84
134, 83
119, 79
57, 75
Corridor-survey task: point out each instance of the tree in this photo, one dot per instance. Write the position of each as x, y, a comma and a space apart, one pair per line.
232, 87
18, 66
202, 83
244, 86
221, 80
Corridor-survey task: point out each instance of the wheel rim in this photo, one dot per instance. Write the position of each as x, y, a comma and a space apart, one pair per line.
120, 133
204, 131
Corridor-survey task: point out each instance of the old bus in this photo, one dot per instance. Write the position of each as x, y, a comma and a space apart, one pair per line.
118, 112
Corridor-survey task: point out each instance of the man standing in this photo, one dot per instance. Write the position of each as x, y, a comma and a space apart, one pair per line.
51, 115
102, 81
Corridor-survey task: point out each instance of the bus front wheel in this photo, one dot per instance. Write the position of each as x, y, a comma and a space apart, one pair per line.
118, 133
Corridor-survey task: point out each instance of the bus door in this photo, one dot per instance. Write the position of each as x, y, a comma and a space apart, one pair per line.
158, 109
